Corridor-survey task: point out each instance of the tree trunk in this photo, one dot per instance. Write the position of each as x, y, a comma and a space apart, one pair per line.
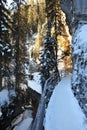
17, 47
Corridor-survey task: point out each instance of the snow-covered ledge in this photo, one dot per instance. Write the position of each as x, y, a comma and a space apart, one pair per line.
79, 53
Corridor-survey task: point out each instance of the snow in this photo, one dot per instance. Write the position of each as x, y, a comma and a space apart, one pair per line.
81, 31
35, 86
80, 39
35, 83
17, 120
26, 69
23, 121
9, 2
79, 53
23, 86
63, 112
24, 125
4, 98
12, 93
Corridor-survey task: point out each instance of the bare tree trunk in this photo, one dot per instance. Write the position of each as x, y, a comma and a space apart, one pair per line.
17, 47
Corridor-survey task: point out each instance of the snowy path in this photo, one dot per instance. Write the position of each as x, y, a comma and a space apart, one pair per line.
63, 112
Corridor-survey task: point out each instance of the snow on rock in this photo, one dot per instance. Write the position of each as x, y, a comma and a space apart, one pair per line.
24, 121
79, 57
81, 37
63, 112
80, 41
24, 125
26, 69
12, 93
35, 83
4, 98
17, 120
23, 86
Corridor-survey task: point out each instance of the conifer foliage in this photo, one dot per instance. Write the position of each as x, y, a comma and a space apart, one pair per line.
48, 54
19, 39
5, 47
48, 59
4, 19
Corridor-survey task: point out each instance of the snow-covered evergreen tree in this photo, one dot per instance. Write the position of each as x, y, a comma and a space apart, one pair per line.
47, 59
5, 47
49, 51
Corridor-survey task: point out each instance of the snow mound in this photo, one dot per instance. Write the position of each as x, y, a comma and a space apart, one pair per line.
35, 83
24, 121
4, 98
24, 125
63, 112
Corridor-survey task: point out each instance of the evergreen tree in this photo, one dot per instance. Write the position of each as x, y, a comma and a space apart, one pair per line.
20, 23
48, 56
5, 47
47, 59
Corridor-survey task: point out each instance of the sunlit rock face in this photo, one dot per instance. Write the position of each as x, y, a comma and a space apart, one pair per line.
79, 56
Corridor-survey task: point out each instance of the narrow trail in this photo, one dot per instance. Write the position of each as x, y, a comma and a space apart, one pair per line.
63, 112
